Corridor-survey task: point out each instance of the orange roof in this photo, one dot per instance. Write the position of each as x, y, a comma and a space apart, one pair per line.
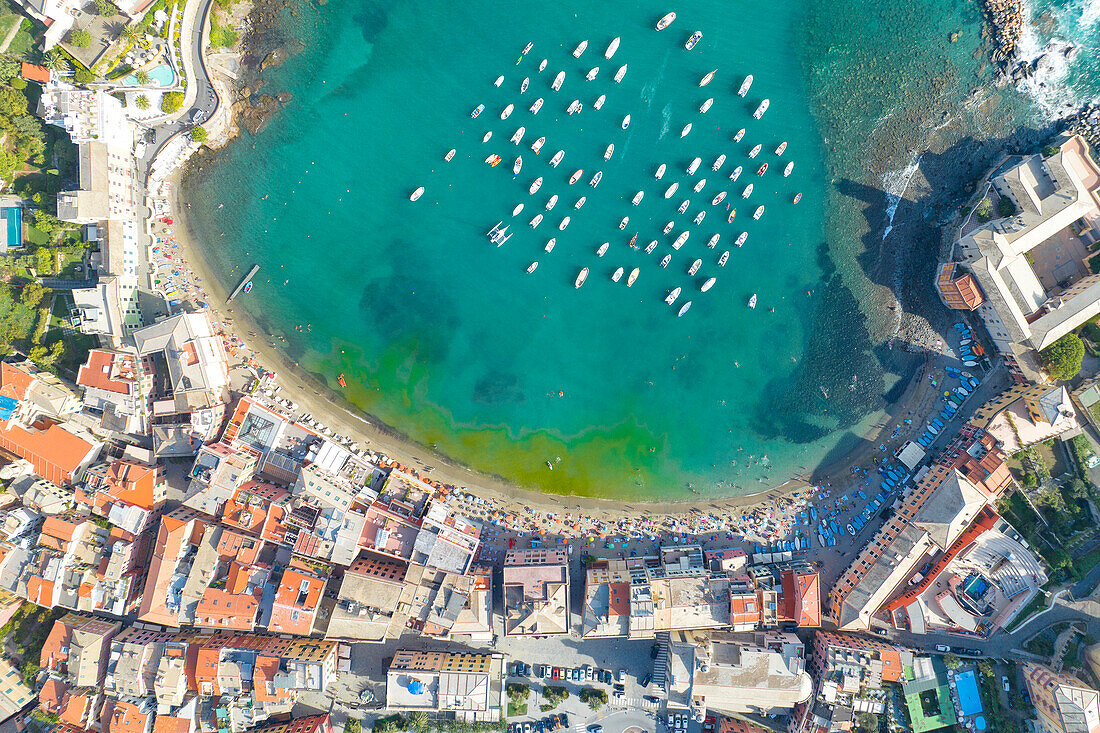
744, 608
234, 545
75, 710
14, 380
130, 482
55, 453
263, 680
33, 72
126, 718
223, 609
891, 665
801, 597
60, 635
206, 669
296, 603
52, 694
169, 724
60, 529
618, 599
108, 371
40, 591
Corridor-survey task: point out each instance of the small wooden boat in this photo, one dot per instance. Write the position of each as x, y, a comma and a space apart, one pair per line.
507, 111
603, 249
708, 78
706, 105
788, 169
732, 216
683, 309
782, 147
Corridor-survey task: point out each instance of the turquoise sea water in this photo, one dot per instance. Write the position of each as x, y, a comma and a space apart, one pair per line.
446, 338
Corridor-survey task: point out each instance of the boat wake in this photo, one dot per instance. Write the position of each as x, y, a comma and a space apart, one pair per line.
666, 121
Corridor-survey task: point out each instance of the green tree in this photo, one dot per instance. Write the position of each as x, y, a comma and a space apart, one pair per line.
516, 691
951, 661
103, 7
1076, 489
594, 697
198, 134
1062, 359
132, 34
80, 38
141, 101
419, 720
18, 83
54, 60
866, 723
9, 69
33, 293
141, 76
83, 76
352, 725
171, 102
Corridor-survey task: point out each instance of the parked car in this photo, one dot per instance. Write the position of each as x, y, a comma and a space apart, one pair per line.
620, 676
942, 648
881, 632
595, 728
646, 680
1004, 683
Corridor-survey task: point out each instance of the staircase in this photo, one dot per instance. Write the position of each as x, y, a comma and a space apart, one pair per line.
660, 663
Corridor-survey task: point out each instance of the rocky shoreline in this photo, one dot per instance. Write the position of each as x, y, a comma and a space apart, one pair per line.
1006, 24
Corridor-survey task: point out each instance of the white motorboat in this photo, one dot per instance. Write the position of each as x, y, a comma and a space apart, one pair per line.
536, 185
797, 197
580, 49
552, 202
694, 166
665, 260
788, 169
699, 217
650, 247
417, 194
755, 151
609, 151
532, 267
718, 162
537, 145
486, 137
519, 208
603, 249
618, 275
564, 224
592, 73
499, 81
596, 179
668, 227
708, 285
736, 173
708, 78
684, 206
713, 241
718, 198
612, 48
450, 155
782, 147
558, 80
693, 40
671, 190
620, 74
680, 240
741, 238
581, 277
761, 109
557, 158
660, 171
724, 258
699, 186
665, 21
477, 110
536, 106
626, 122
706, 105
745, 86
695, 267
638, 198
517, 166
550, 244
632, 277
683, 309
536, 221
624, 222
576, 176
574, 106
752, 301
518, 135
758, 213
740, 134
599, 101
747, 192
527, 48
580, 202
507, 111
672, 296
542, 66
686, 130
524, 84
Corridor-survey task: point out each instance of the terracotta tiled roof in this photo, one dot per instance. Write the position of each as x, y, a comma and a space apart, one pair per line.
126, 718
33, 72
52, 695
170, 724
14, 380
296, 603
75, 710
100, 370
55, 452
222, 609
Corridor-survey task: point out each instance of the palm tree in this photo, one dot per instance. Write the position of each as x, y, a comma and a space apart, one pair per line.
141, 76
131, 34
54, 60
142, 102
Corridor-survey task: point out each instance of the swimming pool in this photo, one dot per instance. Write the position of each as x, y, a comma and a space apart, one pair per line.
13, 219
159, 76
975, 587
966, 685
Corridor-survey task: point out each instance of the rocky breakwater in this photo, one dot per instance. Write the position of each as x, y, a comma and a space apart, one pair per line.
1086, 123
1006, 22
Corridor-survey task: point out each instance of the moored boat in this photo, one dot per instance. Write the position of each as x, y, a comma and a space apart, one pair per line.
732, 216
761, 109
713, 241
574, 106
518, 135
517, 166
638, 198
580, 49
650, 247
782, 147
477, 110
617, 275
668, 227
680, 240
542, 66
537, 145
576, 176
609, 151
741, 239
671, 190
450, 155
550, 244
532, 267
499, 81
612, 48
706, 105
755, 151
707, 78
507, 111
632, 277
558, 80
718, 162
797, 197
745, 86
524, 84
695, 267
699, 186
536, 106
788, 169
762, 169
736, 173
486, 137
693, 40
665, 21
747, 192
684, 206
752, 301
536, 221
552, 202
592, 73
683, 309
633, 241
493, 160
672, 296
665, 260
707, 285
724, 258
660, 172
417, 194
758, 213
580, 202
557, 158
624, 222
694, 166
536, 185
519, 208
599, 101
718, 198
700, 216
626, 122
564, 224
581, 276
686, 130
603, 249
620, 74
527, 48
596, 179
